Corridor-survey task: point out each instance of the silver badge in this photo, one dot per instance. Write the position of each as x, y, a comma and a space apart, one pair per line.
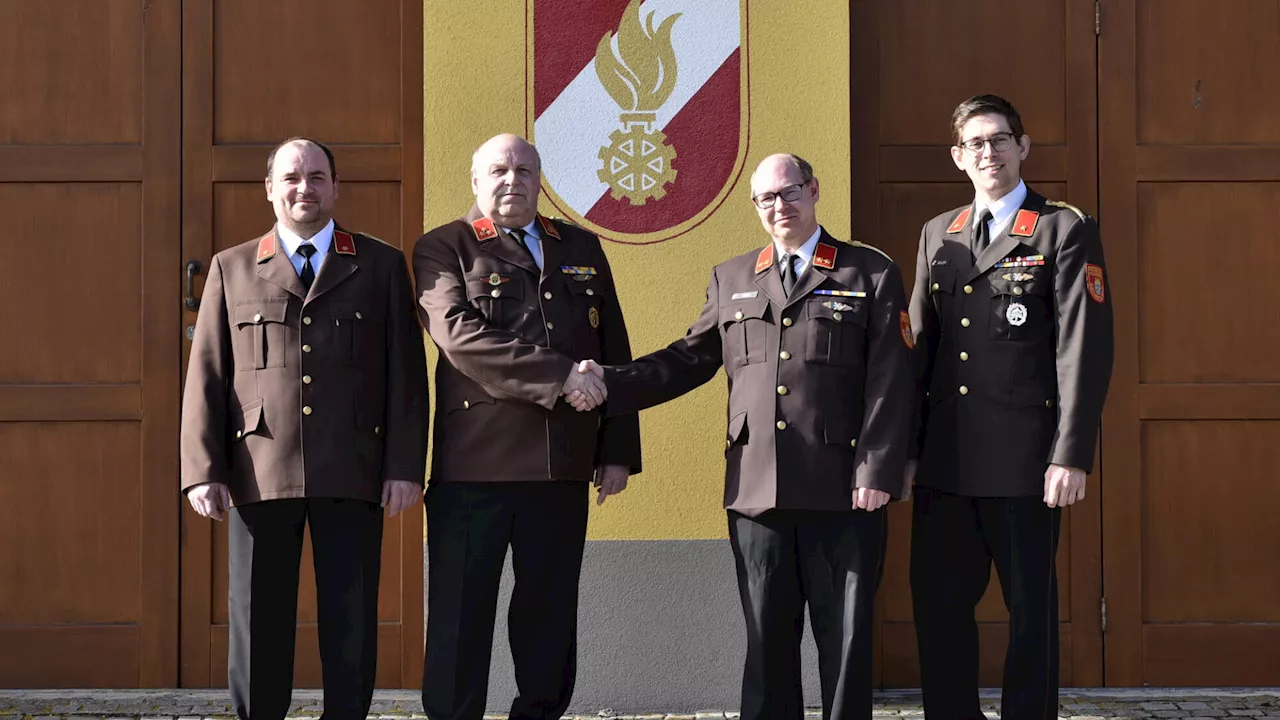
1016, 314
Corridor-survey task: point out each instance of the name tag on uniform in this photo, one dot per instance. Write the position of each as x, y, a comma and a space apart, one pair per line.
841, 293
745, 295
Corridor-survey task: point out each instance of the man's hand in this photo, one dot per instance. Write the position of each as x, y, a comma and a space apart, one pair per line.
1063, 485
908, 479
611, 480
868, 499
398, 495
584, 389
211, 500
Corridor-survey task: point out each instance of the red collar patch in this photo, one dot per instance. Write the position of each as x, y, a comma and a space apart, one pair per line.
547, 227
267, 247
1025, 223
484, 229
343, 243
958, 224
825, 256
765, 259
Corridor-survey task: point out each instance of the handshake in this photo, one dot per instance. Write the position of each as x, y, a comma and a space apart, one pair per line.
584, 389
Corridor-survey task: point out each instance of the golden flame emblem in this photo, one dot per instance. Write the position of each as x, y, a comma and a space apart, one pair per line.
639, 74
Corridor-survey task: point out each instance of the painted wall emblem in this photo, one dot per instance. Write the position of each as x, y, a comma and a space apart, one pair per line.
639, 111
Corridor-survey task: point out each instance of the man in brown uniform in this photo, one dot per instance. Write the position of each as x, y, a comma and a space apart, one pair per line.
511, 299
305, 404
814, 336
1013, 326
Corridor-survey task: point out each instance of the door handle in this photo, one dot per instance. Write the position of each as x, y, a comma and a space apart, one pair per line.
193, 268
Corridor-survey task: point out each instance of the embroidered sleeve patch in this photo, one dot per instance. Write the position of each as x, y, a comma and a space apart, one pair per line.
907, 336
1094, 282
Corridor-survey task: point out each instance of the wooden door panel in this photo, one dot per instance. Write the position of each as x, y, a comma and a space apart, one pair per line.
935, 53
1188, 158
88, 373
77, 66
349, 75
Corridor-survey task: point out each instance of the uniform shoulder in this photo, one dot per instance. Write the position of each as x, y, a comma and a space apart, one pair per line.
450, 230
868, 250
567, 228
249, 250
1060, 205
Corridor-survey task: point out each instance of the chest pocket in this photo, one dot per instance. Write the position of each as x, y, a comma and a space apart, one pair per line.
836, 330
1021, 308
744, 332
501, 303
261, 333
362, 329
942, 286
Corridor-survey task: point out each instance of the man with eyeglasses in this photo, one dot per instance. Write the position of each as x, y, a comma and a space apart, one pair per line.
1013, 329
814, 337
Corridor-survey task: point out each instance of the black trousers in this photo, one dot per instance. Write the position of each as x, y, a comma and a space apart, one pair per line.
954, 540
832, 561
469, 526
264, 550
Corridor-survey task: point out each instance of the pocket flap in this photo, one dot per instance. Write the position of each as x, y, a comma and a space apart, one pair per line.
837, 309
840, 431
495, 286
942, 279
359, 312
590, 286
252, 312
250, 419
743, 311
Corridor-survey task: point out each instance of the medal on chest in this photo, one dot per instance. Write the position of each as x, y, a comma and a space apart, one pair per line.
1016, 314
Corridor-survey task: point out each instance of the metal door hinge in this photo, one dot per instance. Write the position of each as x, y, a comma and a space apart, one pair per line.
1097, 17
1104, 615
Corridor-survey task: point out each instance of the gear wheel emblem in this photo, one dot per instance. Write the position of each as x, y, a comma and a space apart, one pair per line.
637, 165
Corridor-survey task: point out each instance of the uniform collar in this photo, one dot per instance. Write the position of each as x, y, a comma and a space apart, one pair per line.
805, 251
321, 240
1002, 210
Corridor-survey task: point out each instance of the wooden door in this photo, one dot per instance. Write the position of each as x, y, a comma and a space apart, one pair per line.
1189, 107
350, 75
913, 62
89, 192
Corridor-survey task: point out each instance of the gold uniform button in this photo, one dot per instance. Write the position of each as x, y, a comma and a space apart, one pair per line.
738, 315
239, 434
495, 292
964, 389
728, 444
787, 322
466, 404
1017, 291
782, 389
590, 291
306, 409
838, 317
782, 424
257, 317
1048, 403
546, 295
968, 289
306, 348
551, 326
936, 287
359, 316
963, 356
853, 442
306, 379
306, 320
377, 429
964, 322
784, 355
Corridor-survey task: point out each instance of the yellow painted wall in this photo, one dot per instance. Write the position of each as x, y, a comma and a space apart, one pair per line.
474, 57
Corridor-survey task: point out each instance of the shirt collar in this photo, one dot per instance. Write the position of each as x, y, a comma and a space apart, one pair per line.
1002, 210
804, 252
322, 240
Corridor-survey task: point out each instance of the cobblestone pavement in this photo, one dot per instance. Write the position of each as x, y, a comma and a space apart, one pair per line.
1254, 704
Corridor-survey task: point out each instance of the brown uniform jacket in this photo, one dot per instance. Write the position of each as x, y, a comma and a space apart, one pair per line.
294, 394
1013, 351
508, 336
819, 382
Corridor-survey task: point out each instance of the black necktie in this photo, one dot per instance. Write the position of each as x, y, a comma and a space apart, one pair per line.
788, 273
518, 234
308, 273
982, 232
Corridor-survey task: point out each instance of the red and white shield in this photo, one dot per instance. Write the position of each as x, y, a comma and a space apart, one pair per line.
639, 111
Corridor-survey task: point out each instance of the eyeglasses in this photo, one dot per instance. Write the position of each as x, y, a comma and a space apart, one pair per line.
999, 143
790, 193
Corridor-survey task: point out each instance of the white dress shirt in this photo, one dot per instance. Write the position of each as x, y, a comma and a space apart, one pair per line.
804, 252
1003, 210
322, 240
